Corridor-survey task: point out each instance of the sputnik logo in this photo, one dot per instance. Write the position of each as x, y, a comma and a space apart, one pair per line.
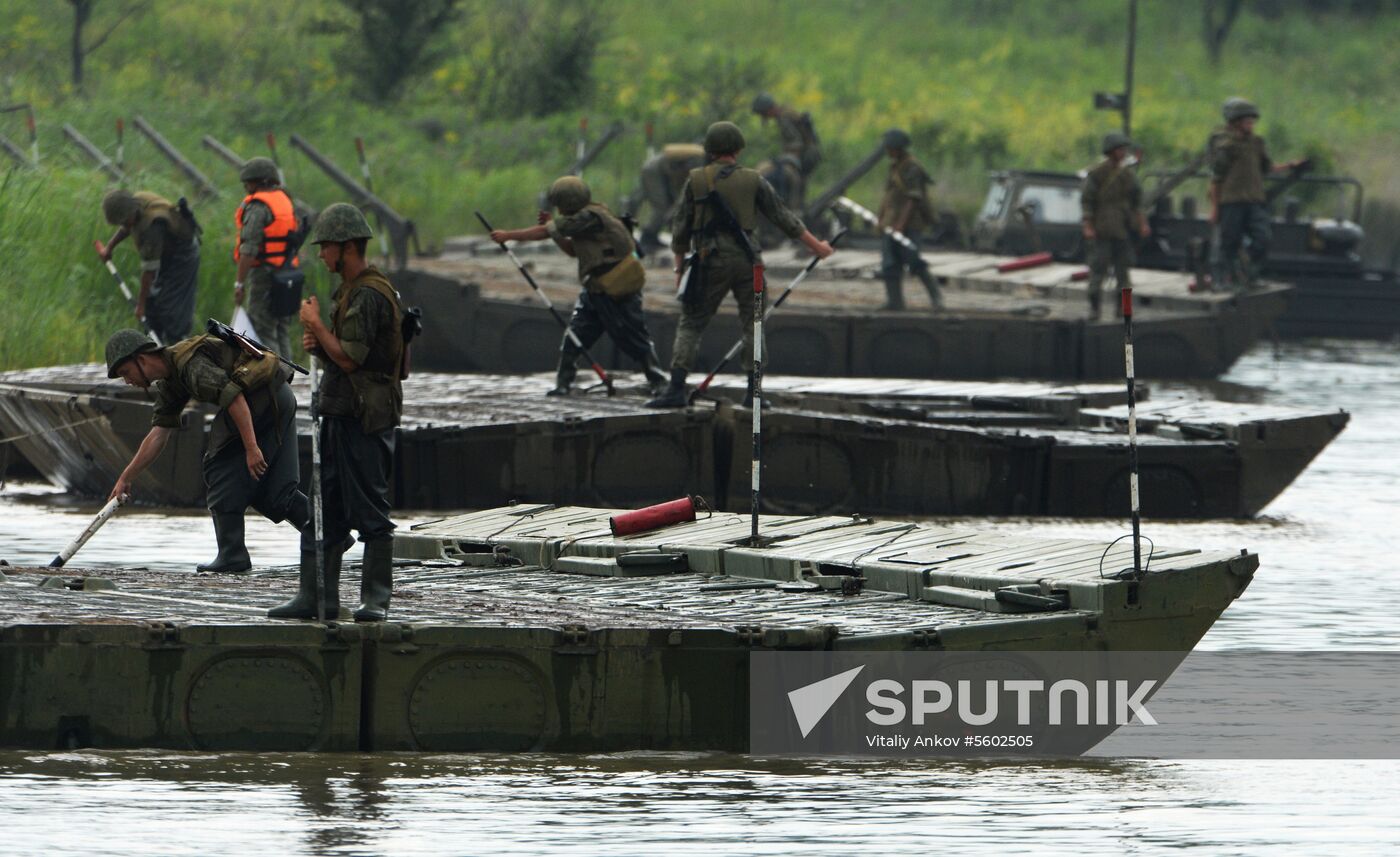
811, 702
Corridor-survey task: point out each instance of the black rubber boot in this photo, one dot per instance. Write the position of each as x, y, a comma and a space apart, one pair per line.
564, 377
233, 553
655, 372
894, 292
303, 606
935, 293
376, 581
675, 395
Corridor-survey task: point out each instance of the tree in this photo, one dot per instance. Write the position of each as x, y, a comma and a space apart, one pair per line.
79, 48
541, 54
1217, 17
391, 42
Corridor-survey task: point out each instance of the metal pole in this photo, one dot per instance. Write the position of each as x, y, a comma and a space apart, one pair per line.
15, 152
757, 404
581, 148
201, 181
121, 142
102, 517
1128, 83
318, 520
229, 156
126, 292
33, 136
369, 186
272, 148
549, 305
103, 162
401, 229
1127, 294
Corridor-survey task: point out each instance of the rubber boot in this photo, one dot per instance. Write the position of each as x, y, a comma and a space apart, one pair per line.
298, 514
655, 372
894, 293
675, 395
303, 605
233, 553
376, 581
935, 293
564, 377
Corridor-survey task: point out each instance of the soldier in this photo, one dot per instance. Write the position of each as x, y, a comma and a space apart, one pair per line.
905, 208
1239, 163
167, 240
267, 244
251, 457
801, 152
361, 402
717, 215
663, 176
1111, 204
611, 275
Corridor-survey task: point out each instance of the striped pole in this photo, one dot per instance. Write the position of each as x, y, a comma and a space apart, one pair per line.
757, 403
318, 519
369, 186
1132, 429
102, 517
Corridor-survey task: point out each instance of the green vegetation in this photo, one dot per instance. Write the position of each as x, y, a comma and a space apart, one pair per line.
985, 84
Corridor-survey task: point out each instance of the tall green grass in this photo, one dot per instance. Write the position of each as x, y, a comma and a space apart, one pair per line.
980, 85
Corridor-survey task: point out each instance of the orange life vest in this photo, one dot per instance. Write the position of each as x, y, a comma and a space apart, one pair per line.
284, 223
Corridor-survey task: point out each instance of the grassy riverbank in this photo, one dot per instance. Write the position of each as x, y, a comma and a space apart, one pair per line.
980, 85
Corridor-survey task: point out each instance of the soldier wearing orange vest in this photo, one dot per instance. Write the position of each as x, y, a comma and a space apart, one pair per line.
268, 270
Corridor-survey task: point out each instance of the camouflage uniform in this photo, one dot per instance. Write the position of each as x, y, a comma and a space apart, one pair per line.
168, 244
663, 176
724, 266
273, 330
360, 410
1239, 164
600, 241
203, 372
1110, 202
907, 184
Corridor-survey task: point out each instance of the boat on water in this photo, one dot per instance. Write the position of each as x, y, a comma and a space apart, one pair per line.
534, 628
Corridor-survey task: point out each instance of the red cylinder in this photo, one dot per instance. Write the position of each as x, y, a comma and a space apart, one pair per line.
1079, 276
653, 517
1034, 260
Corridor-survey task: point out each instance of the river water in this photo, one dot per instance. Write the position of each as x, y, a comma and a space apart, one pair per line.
1327, 582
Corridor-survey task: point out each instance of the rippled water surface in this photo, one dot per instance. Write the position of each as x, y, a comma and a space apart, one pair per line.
1327, 581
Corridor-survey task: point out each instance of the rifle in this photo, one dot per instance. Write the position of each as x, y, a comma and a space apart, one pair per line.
247, 344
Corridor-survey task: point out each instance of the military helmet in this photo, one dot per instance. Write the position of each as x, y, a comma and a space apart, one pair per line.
1115, 140
339, 222
569, 194
1238, 108
897, 139
763, 102
118, 206
723, 138
124, 345
258, 169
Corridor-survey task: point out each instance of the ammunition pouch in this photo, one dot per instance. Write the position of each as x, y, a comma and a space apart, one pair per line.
378, 400
622, 280
284, 298
254, 373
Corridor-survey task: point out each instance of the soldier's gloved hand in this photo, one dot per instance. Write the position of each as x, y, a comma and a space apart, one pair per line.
121, 489
237, 293
310, 313
257, 465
